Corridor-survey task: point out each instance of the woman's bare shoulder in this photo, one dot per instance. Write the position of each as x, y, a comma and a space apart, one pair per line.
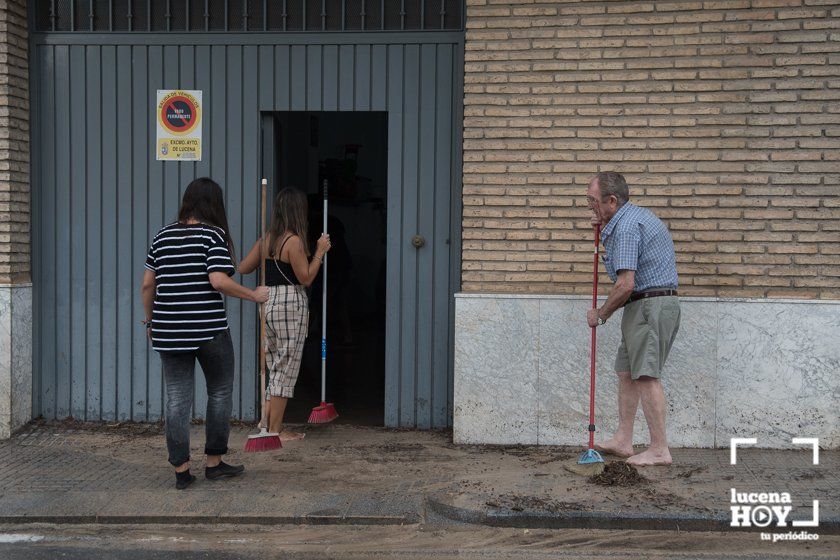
294, 242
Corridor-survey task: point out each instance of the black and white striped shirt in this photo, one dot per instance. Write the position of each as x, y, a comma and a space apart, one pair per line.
187, 310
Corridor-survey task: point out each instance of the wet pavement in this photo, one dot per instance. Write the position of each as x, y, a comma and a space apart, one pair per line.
117, 473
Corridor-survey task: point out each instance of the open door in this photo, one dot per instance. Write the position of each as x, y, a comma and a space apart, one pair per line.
348, 150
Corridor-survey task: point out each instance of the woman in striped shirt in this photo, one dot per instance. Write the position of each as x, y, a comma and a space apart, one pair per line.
188, 268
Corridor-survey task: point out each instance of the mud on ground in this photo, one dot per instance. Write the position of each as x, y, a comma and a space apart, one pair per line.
618, 473
366, 459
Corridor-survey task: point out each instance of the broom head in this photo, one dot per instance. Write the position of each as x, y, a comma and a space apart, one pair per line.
590, 464
323, 413
263, 441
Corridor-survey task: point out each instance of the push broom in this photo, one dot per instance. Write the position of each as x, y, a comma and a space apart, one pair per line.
590, 462
265, 440
324, 412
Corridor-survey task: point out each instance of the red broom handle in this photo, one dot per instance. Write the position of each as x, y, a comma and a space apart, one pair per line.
592, 348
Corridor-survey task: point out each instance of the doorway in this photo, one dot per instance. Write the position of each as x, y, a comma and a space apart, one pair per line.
348, 150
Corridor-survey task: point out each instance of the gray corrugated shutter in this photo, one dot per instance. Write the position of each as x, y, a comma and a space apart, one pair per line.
99, 196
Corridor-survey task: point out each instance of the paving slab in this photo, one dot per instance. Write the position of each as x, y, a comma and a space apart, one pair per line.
74, 472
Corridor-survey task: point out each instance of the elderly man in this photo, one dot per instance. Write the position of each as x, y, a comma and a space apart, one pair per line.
640, 261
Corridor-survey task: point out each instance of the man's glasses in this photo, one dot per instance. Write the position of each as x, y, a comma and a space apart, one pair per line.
592, 200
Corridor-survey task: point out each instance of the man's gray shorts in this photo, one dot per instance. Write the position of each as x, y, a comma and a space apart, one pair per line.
648, 329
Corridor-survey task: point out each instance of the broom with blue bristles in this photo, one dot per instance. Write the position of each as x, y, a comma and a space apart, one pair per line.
590, 462
264, 440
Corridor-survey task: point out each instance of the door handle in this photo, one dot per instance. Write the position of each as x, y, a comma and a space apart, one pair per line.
418, 241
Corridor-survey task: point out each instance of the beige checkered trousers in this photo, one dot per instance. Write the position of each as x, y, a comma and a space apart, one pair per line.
286, 326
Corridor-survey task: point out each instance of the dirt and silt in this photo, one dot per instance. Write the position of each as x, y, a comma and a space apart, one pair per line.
406, 542
515, 478
495, 479
618, 473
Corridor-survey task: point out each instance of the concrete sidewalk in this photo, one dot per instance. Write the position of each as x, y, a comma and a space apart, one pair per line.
85, 473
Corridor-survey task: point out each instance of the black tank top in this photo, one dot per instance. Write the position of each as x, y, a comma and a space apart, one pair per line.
279, 273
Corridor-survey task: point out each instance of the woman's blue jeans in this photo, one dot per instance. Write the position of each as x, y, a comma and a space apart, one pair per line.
216, 360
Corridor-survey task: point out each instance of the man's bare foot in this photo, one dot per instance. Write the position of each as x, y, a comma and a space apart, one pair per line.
291, 436
613, 447
651, 457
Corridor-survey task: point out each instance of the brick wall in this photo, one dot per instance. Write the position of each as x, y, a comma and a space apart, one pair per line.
14, 143
724, 117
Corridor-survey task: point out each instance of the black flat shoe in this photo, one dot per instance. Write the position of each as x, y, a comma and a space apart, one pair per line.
223, 470
183, 480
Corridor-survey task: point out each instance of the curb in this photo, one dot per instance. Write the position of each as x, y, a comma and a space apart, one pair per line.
208, 520
433, 504
601, 520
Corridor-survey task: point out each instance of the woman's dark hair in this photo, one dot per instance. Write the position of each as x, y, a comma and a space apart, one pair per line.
204, 201
289, 213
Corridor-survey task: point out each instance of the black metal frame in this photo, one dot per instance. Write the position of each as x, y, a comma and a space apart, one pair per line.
47, 20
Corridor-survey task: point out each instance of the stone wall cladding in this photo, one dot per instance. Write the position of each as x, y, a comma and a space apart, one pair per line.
14, 144
724, 117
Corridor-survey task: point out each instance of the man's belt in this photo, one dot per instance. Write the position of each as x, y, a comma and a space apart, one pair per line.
655, 293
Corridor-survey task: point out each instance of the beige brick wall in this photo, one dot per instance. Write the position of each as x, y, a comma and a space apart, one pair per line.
14, 143
724, 117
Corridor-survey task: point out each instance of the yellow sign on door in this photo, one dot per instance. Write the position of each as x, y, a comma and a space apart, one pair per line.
178, 125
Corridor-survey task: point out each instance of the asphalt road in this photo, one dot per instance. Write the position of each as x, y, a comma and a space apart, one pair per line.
410, 542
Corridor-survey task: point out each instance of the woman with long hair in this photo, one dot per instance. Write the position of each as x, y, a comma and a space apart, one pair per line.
288, 271
188, 268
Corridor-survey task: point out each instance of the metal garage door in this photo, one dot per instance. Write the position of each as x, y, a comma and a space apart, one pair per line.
99, 196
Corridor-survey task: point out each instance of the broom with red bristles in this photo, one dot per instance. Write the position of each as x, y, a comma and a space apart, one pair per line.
324, 412
265, 440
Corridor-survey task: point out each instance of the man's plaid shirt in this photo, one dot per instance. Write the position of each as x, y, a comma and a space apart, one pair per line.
635, 239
